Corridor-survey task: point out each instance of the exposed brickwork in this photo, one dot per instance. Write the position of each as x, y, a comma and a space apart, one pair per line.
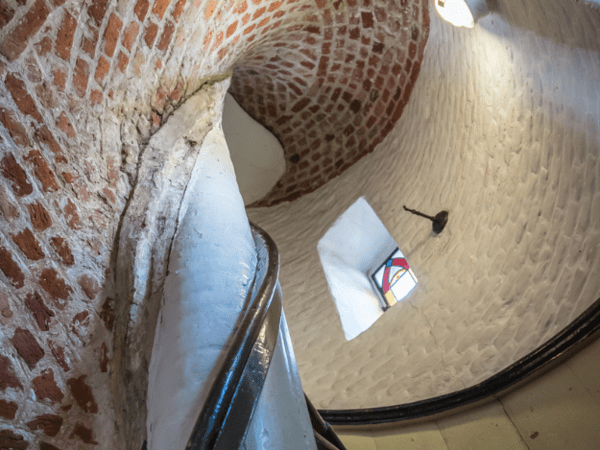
13, 441
84, 434
40, 311
54, 285
45, 387
27, 347
82, 393
13, 172
111, 35
40, 218
15, 128
42, 171
28, 244
64, 39
76, 83
49, 423
19, 93
8, 410
16, 41
8, 379
10, 268
61, 246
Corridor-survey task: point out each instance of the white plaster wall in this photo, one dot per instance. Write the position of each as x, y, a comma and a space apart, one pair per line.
502, 129
356, 244
256, 153
211, 266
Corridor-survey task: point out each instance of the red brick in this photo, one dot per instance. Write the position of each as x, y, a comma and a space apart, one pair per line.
13, 172
159, 7
65, 125
45, 387
70, 213
102, 69
85, 434
16, 41
64, 38
40, 219
60, 79
150, 34
80, 77
6, 14
41, 312
59, 354
89, 285
10, 268
44, 136
46, 96
8, 379
15, 129
12, 441
44, 46
88, 44
165, 39
122, 62
111, 36
97, 10
8, 410
49, 423
19, 93
231, 29
27, 347
42, 171
54, 285
83, 395
141, 9
178, 9
61, 246
96, 97
28, 244
46, 446
129, 35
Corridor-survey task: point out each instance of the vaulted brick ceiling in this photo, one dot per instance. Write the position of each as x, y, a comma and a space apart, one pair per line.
331, 83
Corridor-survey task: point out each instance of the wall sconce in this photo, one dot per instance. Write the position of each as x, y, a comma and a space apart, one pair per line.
462, 13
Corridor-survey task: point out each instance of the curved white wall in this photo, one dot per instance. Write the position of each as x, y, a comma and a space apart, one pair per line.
502, 129
212, 264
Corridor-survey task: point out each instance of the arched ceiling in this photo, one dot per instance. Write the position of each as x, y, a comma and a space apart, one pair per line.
330, 82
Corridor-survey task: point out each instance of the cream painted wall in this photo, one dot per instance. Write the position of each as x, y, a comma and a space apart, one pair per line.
256, 153
502, 129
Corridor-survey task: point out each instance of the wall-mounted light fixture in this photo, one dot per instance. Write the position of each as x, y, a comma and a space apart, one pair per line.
462, 13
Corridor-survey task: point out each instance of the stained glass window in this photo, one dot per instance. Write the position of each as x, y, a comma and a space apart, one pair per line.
394, 279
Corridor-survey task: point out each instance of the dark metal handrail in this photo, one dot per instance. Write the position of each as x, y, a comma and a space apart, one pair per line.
254, 336
579, 333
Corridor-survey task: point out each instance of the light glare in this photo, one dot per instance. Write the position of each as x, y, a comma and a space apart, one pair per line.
456, 12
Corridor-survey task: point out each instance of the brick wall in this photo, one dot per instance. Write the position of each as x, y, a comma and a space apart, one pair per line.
85, 88
498, 132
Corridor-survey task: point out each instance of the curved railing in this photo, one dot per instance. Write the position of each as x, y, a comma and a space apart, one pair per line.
233, 397
582, 331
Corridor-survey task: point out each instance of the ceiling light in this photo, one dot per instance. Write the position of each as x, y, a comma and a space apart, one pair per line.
462, 13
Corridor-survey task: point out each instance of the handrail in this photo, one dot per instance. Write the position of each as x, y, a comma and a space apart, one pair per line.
579, 333
233, 396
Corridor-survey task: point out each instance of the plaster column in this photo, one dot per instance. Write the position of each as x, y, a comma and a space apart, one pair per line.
212, 264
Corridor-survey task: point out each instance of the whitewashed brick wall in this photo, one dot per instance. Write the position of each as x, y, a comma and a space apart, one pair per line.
502, 130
